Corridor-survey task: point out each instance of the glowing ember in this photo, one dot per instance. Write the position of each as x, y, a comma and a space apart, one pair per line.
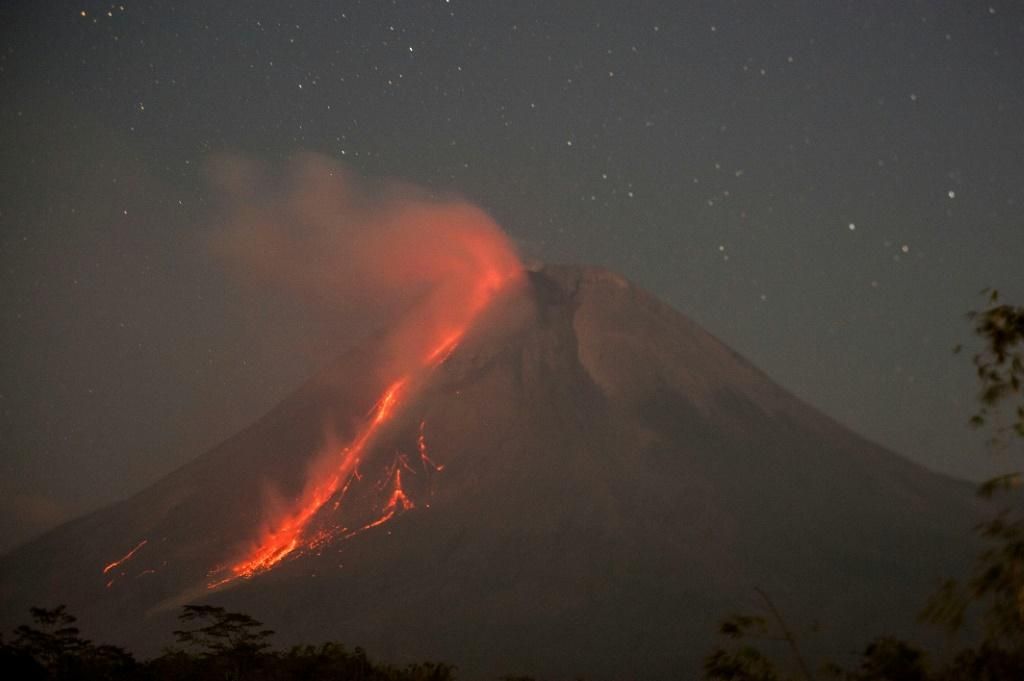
124, 559
397, 503
344, 490
421, 444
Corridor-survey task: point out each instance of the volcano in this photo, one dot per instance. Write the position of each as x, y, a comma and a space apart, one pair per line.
584, 483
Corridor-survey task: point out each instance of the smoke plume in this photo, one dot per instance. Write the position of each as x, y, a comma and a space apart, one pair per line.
383, 253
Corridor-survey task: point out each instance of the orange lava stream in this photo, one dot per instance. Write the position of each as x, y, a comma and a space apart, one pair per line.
397, 502
276, 545
421, 444
125, 558
288, 532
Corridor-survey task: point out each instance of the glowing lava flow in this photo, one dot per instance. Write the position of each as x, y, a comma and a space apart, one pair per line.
397, 502
289, 533
125, 558
121, 561
421, 445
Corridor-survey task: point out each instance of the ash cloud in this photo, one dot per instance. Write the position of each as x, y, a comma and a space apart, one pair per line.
382, 253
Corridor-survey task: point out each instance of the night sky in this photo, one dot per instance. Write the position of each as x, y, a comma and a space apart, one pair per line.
825, 186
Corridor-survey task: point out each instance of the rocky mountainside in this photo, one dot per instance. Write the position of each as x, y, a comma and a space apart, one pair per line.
585, 486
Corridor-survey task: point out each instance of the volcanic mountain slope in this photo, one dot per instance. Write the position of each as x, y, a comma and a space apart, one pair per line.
585, 486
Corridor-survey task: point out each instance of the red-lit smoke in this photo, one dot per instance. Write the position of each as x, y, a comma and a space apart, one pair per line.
426, 268
354, 249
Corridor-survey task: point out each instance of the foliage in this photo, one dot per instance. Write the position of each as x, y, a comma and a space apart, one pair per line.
51, 648
217, 645
996, 585
221, 632
884, 659
891, 659
1000, 365
741, 661
56, 638
231, 643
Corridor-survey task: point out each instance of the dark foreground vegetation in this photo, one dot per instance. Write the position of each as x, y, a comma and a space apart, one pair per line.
215, 644
212, 644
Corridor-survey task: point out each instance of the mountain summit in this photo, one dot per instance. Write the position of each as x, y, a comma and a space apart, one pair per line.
584, 485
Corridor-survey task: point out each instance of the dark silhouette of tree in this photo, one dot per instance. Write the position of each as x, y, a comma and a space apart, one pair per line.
429, 671
220, 632
1000, 364
996, 585
890, 659
18, 663
51, 648
984, 663
53, 637
231, 643
217, 645
328, 661
743, 661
